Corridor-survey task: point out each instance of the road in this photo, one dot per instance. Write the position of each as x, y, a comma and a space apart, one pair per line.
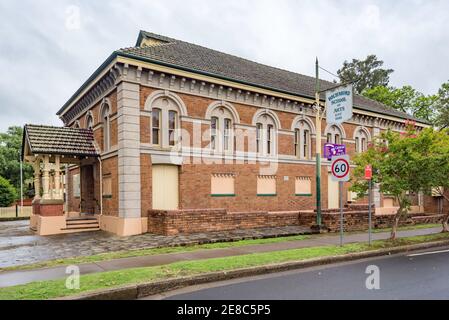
421, 275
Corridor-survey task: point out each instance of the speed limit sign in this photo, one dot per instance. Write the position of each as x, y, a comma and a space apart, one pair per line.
340, 168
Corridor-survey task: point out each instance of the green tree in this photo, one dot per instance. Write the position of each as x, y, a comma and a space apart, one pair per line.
368, 73
10, 149
436, 166
398, 163
405, 99
442, 107
7, 193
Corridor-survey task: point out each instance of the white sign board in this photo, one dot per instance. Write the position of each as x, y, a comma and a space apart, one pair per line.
340, 168
339, 103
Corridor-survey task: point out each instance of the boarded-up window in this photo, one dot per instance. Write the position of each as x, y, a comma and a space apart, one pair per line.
303, 186
222, 184
76, 186
107, 186
266, 185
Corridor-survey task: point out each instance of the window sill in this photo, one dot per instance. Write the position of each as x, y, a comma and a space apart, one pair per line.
267, 195
303, 195
222, 195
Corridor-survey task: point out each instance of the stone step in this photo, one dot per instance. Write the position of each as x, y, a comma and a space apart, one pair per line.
80, 222
82, 227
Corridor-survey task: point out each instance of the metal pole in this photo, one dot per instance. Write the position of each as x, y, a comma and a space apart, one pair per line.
318, 146
369, 210
21, 186
341, 213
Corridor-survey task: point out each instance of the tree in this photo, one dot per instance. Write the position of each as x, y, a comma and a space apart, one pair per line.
405, 99
399, 163
7, 193
368, 73
437, 166
10, 149
442, 107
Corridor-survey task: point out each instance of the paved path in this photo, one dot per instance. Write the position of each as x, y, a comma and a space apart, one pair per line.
19, 245
21, 277
402, 277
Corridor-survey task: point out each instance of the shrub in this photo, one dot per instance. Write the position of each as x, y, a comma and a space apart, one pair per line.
7, 193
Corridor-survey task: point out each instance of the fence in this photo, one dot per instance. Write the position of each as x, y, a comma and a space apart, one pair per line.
16, 212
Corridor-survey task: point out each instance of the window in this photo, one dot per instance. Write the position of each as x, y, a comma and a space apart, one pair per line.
172, 116
107, 187
361, 141
258, 137
227, 134
222, 185
165, 122
266, 136
106, 128
269, 139
306, 144
89, 122
221, 129
297, 145
266, 186
213, 133
76, 185
337, 139
156, 126
334, 135
303, 186
302, 140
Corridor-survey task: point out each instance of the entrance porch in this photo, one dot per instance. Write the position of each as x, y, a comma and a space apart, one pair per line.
51, 150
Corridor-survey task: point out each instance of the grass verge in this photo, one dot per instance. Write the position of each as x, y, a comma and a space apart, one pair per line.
93, 282
150, 252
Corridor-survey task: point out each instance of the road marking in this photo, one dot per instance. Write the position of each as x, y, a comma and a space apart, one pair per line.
427, 253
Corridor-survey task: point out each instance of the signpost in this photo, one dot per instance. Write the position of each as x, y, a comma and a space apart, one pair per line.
369, 177
340, 169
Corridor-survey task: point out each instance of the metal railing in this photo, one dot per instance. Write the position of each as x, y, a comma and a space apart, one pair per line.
16, 212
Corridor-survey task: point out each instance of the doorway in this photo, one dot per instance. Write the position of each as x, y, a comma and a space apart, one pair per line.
165, 181
333, 193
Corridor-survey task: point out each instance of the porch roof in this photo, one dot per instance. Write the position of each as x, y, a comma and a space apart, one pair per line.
73, 142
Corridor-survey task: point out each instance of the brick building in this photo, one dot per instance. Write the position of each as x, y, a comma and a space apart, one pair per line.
169, 137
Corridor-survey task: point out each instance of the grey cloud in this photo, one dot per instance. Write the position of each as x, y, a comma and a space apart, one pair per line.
43, 62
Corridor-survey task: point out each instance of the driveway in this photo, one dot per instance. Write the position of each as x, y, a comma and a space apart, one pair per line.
19, 245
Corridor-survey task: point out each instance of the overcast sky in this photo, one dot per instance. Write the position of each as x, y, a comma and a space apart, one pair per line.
49, 48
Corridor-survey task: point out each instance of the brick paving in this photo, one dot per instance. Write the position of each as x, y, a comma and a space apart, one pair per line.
19, 245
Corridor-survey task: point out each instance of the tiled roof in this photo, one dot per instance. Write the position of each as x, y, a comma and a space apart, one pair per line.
60, 140
200, 59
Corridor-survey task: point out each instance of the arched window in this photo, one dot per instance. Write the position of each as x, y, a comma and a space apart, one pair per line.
106, 121
77, 125
361, 140
165, 122
221, 129
266, 135
334, 135
303, 140
89, 122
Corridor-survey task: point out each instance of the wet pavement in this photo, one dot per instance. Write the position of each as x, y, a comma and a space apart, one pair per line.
13, 278
19, 245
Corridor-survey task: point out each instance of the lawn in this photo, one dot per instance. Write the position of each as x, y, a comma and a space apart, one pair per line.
150, 252
181, 249
92, 282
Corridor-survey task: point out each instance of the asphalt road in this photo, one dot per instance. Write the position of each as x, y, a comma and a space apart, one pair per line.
421, 276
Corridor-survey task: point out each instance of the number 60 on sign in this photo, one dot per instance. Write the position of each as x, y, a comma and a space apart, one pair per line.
340, 168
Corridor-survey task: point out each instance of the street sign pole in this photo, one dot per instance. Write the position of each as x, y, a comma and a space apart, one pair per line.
341, 213
369, 210
318, 147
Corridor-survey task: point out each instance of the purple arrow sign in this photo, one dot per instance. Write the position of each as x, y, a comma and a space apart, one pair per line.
332, 150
